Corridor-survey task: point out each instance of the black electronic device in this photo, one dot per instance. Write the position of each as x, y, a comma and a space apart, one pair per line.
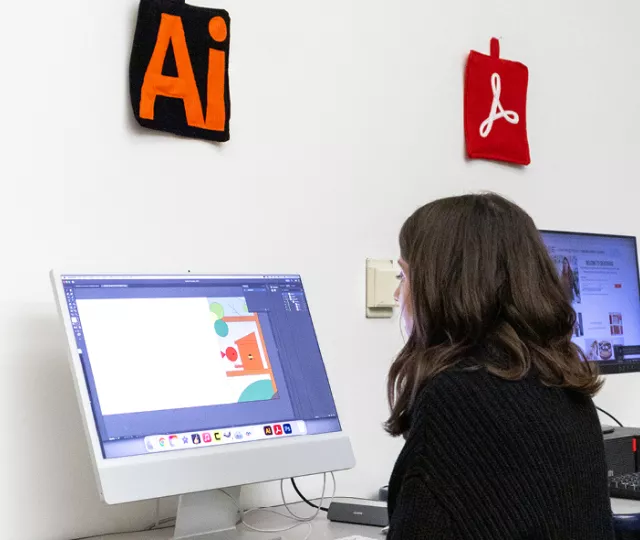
625, 486
359, 511
621, 455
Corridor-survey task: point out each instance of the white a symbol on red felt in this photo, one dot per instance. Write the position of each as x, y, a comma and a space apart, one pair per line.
497, 110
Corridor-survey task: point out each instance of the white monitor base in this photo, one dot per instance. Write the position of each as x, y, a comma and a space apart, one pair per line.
209, 515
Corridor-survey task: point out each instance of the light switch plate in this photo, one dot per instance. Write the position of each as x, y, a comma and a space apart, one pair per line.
382, 283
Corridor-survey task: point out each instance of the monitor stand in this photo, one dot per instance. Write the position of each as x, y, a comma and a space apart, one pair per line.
208, 515
607, 430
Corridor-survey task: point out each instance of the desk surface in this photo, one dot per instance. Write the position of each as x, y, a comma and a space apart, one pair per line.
625, 506
322, 528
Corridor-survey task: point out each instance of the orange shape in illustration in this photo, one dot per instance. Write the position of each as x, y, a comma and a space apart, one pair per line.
250, 353
250, 349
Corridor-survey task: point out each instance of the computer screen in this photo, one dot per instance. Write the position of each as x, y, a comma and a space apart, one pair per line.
174, 363
600, 275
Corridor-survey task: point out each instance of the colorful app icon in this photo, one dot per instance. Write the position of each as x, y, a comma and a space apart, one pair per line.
248, 434
185, 440
277, 429
173, 441
195, 438
162, 441
268, 431
217, 436
206, 437
287, 429
238, 436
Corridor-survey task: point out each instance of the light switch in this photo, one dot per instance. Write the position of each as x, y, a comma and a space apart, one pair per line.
382, 282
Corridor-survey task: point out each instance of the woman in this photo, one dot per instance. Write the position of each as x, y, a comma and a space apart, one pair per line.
493, 398
569, 281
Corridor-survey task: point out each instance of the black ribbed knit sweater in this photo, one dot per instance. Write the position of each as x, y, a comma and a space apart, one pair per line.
491, 459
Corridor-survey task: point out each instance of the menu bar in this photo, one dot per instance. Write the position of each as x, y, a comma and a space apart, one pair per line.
69, 279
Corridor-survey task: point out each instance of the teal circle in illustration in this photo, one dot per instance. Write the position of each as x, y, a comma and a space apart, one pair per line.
217, 310
258, 391
222, 328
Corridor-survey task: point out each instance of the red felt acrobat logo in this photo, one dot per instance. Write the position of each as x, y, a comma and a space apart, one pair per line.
495, 108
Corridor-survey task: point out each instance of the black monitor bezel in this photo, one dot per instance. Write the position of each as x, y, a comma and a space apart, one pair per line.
610, 367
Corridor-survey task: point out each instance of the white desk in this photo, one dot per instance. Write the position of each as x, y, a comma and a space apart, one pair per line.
625, 506
323, 529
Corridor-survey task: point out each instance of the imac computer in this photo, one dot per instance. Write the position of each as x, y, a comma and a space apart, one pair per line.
600, 275
190, 384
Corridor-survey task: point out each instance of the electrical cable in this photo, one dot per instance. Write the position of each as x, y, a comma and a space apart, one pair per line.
610, 416
304, 499
314, 505
299, 520
315, 515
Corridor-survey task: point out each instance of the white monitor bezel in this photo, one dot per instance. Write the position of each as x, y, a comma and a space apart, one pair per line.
164, 474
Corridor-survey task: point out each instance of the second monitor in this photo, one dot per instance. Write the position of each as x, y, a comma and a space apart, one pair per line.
600, 276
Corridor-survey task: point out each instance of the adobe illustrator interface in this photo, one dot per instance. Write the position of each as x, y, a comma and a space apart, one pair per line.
178, 362
600, 276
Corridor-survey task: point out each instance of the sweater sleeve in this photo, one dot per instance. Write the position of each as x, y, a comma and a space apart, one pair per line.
417, 514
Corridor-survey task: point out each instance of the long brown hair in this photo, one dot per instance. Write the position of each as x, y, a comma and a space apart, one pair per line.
481, 279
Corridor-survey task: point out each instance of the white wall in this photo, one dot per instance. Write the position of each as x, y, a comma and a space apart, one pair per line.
346, 116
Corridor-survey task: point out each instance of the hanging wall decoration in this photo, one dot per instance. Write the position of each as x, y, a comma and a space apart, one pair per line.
495, 108
179, 69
